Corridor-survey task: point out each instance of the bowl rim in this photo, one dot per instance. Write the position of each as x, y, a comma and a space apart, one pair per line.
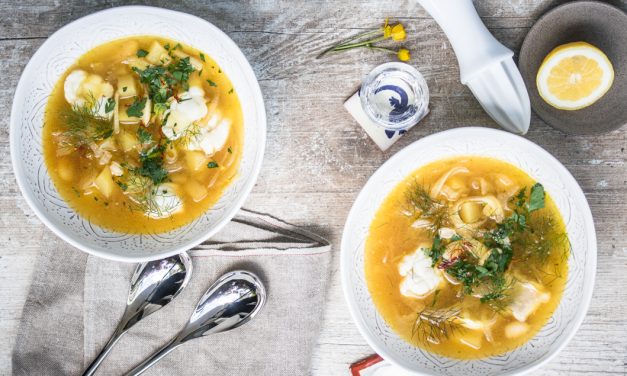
411, 148
234, 51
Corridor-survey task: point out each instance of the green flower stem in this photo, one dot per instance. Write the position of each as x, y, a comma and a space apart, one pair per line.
359, 44
340, 46
358, 36
382, 49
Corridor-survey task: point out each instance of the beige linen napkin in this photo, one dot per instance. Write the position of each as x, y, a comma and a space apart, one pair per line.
75, 303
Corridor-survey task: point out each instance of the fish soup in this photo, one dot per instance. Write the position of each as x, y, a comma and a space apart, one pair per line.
467, 258
143, 134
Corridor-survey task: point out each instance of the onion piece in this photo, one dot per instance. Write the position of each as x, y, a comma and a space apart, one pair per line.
437, 187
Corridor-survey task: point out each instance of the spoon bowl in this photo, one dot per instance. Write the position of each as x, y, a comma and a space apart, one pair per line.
153, 285
233, 300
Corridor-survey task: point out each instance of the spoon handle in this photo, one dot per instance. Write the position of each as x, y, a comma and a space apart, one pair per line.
154, 358
105, 351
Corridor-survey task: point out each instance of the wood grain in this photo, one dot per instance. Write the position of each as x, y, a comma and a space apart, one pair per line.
313, 138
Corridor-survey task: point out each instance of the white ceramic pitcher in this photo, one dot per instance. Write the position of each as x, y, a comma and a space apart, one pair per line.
485, 65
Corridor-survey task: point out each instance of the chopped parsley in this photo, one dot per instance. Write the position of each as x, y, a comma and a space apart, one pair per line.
536, 198
202, 56
144, 136
110, 105
211, 83
142, 53
436, 251
164, 81
212, 164
230, 150
136, 109
152, 164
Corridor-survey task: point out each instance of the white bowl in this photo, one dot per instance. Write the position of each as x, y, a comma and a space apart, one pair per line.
43, 71
540, 165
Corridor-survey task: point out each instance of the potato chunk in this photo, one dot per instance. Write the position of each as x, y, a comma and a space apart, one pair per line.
128, 141
195, 190
157, 54
516, 329
470, 212
197, 64
127, 87
105, 182
65, 169
196, 160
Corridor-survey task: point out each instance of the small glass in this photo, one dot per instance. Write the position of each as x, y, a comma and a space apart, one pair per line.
394, 96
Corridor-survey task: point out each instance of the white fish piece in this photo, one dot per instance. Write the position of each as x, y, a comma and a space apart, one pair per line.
419, 277
189, 108
166, 201
211, 141
116, 169
527, 297
81, 87
72, 85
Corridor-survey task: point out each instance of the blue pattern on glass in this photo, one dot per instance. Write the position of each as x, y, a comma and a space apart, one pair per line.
391, 134
400, 109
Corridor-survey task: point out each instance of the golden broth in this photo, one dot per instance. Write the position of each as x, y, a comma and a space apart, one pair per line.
198, 185
392, 237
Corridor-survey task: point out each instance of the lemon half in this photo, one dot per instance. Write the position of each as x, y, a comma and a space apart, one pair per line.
574, 76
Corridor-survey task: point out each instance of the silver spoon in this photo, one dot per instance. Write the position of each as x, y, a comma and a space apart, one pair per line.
153, 285
231, 301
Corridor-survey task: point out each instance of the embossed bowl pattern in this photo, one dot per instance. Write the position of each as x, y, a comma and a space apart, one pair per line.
540, 165
45, 68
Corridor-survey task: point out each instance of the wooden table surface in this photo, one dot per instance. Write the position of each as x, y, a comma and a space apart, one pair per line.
318, 159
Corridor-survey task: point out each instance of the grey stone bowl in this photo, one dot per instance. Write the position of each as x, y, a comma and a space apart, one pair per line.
599, 24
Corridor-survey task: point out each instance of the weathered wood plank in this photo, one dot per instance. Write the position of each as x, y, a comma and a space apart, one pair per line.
330, 154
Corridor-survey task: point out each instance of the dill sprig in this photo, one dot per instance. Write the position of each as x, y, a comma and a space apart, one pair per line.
422, 205
143, 194
497, 295
83, 124
433, 325
540, 241
190, 134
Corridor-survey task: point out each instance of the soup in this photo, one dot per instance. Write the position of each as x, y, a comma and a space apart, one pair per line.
467, 258
143, 134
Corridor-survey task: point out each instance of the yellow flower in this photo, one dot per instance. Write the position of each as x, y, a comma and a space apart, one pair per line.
387, 31
398, 32
403, 54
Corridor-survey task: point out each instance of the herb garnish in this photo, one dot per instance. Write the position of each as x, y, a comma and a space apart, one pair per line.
420, 204
211, 83
84, 125
487, 277
432, 325
141, 53
436, 251
144, 136
536, 198
136, 109
212, 164
110, 105
163, 81
152, 164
